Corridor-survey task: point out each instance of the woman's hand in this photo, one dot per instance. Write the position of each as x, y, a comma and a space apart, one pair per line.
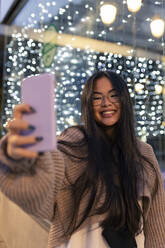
15, 139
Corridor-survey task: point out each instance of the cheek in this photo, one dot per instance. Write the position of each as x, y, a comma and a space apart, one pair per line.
119, 112
95, 113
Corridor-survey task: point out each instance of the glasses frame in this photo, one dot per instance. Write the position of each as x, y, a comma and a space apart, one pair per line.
112, 97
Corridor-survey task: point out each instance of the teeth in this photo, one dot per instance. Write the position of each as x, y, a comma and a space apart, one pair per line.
108, 112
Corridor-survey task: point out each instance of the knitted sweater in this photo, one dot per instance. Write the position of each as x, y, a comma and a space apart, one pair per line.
41, 188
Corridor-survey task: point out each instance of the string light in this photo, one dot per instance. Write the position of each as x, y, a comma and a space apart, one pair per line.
139, 87
158, 89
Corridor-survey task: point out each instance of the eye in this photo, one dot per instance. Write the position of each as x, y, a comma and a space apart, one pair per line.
97, 97
114, 95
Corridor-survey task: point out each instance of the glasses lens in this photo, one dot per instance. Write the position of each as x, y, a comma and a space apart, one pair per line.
97, 100
114, 97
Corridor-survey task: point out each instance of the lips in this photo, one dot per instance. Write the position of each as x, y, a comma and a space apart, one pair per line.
108, 113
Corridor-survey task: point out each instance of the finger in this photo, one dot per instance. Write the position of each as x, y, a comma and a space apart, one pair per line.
18, 125
19, 152
15, 150
19, 140
20, 109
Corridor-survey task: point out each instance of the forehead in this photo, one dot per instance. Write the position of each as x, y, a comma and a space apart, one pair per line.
103, 85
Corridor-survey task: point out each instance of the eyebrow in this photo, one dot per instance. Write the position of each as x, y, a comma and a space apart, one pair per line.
97, 92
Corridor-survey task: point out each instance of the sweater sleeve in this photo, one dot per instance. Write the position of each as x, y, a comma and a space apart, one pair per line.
154, 226
32, 184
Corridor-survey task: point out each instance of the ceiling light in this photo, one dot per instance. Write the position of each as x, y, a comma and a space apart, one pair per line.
134, 5
108, 13
157, 26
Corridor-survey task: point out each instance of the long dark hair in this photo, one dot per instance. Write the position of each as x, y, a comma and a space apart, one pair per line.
114, 167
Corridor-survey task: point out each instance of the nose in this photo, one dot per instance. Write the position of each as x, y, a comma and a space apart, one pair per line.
105, 101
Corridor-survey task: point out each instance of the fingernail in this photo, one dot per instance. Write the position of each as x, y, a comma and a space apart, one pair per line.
39, 138
40, 153
32, 110
31, 127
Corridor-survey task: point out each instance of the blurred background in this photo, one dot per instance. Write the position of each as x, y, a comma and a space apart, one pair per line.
74, 38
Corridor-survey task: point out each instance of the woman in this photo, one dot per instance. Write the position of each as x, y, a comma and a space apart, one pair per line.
102, 187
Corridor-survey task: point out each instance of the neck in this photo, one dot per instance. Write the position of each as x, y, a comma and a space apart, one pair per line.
111, 132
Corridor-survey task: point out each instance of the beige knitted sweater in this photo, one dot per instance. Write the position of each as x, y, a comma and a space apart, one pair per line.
41, 188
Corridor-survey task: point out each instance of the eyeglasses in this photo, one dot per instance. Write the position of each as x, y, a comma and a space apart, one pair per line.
98, 98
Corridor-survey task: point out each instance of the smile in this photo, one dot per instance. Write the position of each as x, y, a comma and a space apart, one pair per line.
108, 113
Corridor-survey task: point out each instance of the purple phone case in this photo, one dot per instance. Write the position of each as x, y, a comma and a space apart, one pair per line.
38, 92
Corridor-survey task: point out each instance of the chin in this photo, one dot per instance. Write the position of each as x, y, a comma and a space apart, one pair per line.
107, 125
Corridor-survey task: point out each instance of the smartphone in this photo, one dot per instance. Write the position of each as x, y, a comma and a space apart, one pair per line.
38, 92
